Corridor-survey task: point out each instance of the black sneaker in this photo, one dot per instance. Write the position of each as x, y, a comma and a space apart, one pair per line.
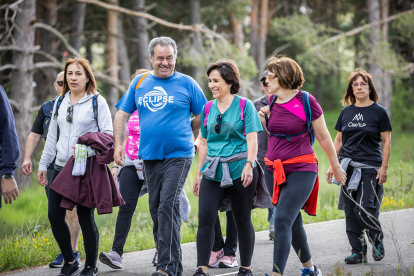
356, 259
89, 271
244, 272
199, 272
70, 269
378, 252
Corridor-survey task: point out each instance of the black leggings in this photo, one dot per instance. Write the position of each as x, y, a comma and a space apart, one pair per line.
130, 186
211, 196
288, 219
61, 230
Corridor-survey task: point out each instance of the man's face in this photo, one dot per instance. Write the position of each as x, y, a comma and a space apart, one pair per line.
59, 83
163, 61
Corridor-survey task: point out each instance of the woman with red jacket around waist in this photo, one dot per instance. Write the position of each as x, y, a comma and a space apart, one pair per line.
291, 160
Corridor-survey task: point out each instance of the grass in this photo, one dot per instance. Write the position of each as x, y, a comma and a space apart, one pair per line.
26, 239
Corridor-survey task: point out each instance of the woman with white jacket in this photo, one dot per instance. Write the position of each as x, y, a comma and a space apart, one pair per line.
74, 117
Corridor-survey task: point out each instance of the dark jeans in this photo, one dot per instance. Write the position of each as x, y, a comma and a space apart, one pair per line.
61, 232
356, 219
129, 186
230, 245
289, 229
269, 185
211, 196
49, 175
165, 180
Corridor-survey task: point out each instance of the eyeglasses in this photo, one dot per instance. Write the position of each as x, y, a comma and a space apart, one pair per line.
264, 83
60, 83
356, 84
70, 112
219, 120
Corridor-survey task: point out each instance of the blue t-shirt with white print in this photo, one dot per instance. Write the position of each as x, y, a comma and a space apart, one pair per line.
164, 108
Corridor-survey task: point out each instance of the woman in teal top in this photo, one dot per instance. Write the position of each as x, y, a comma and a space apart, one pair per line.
227, 162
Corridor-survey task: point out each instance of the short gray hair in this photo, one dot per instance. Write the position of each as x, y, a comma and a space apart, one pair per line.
163, 41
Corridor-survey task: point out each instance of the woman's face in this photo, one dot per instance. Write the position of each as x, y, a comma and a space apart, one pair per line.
272, 83
218, 86
76, 78
360, 88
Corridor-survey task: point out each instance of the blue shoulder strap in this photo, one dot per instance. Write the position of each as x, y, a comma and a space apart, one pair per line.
308, 112
95, 109
59, 101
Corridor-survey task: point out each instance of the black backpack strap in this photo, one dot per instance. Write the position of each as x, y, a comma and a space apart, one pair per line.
59, 101
95, 109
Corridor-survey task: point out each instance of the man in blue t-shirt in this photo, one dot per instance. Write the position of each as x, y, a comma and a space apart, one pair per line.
165, 100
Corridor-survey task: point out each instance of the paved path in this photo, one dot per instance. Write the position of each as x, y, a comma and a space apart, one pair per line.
327, 241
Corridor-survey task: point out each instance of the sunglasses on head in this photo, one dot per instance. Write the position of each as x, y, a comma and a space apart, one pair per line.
60, 83
219, 120
70, 112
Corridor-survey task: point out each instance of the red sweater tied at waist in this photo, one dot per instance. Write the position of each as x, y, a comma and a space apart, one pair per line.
279, 178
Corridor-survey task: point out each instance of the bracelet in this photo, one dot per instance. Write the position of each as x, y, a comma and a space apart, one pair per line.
251, 163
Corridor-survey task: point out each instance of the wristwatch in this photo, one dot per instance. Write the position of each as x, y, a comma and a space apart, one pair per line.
251, 163
8, 176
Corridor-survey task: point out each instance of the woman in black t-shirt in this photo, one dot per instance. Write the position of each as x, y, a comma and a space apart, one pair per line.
362, 125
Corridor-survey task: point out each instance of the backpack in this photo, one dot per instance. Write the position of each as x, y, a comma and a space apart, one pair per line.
242, 106
94, 106
308, 113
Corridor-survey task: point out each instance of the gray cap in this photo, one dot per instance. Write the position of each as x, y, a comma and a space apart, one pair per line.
264, 75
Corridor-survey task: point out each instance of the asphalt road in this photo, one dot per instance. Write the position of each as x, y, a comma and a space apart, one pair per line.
327, 241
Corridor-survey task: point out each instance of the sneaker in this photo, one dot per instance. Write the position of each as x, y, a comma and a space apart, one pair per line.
244, 272
199, 272
155, 260
215, 258
58, 262
157, 273
111, 259
70, 269
228, 262
76, 255
378, 252
271, 235
307, 272
89, 271
356, 259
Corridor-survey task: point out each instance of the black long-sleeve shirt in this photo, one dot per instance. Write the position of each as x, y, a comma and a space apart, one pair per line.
9, 143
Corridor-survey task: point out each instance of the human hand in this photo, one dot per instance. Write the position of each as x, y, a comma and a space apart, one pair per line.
74, 151
119, 155
382, 175
9, 189
247, 175
340, 175
41, 178
114, 172
196, 185
329, 175
27, 166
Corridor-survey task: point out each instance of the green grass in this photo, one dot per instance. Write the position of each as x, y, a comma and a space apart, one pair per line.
26, 239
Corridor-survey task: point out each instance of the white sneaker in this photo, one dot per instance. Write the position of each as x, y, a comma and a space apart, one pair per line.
228, 262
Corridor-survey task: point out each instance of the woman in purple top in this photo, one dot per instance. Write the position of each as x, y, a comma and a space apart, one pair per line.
290, 139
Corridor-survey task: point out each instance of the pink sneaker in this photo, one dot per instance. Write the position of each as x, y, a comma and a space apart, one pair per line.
215, 258
228, 262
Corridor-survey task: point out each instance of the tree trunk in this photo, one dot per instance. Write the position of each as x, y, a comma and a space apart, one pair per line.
375, 40
78, 21
140, 25
44, 78
123, 60
387, 85
112, 57
254, 29
195, 17
261, 51
238, 34
22, 80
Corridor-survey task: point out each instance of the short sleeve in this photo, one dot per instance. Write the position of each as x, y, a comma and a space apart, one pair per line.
127, 102
385, 124
338, 125
316, 109
251, 118
203, 128
198, 100
38, 123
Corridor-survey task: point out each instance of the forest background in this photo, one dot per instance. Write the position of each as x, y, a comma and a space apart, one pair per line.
328, 38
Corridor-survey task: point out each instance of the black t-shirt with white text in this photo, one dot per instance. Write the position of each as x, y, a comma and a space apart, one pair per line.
361, 129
